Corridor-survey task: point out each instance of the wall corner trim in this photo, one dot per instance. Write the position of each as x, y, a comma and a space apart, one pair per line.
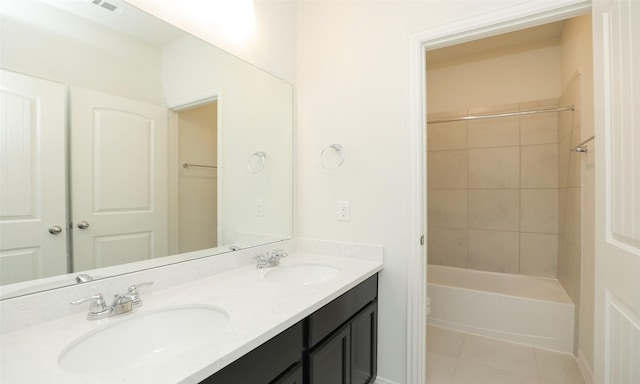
587, 373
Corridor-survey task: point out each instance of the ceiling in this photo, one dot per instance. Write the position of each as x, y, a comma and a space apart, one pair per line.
122, 17
525, 37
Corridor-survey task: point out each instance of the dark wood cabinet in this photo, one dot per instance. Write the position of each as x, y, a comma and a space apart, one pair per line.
330, 362
265, 363
292, 376
337, 344
349, 355
364, 345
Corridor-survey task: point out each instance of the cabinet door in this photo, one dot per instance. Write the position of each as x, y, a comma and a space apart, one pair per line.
293, 376
330, 363
364, 350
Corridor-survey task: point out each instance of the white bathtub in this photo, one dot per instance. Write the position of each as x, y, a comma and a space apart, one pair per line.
523, 309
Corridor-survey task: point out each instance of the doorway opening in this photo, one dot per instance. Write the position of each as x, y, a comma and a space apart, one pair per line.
197, 181
492, 24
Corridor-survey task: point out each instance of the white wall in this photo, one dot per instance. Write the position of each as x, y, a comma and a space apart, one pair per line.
255, 114
271, 46
352, 89
71, 50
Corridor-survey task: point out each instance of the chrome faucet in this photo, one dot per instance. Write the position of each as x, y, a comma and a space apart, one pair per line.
121, 303
270, 259
83, 278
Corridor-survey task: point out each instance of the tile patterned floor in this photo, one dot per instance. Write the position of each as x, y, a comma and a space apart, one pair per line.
459, 358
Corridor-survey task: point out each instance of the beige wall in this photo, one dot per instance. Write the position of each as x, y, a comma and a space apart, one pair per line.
509, 75
198, 187
577, 208
493, 195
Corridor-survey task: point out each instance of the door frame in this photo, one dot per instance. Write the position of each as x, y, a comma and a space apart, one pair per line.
505, 20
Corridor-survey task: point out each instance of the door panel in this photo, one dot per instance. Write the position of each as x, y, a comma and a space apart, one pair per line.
616, 36
122, 248
119, 179
117, 133
32, 178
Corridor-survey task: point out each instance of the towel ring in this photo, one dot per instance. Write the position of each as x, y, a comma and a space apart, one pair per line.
337, 148
256, 168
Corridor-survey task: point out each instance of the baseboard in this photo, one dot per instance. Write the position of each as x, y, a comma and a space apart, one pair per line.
382, 380
585, 368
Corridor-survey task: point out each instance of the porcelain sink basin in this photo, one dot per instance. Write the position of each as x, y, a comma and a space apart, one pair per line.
302, 274
155, 336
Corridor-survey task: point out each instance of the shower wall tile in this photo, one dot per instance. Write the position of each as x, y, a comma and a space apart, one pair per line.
570, 216
448, 208
447, 169
501, 132
447, 247
493, 189
565, 123
539, 210
539, 129
574, 178
569, 268
494, 209
494, 167
494, 251
569, 120
539, 254
539, 166
564, 161
447, 136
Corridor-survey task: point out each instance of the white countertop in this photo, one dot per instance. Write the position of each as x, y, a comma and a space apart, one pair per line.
258, 309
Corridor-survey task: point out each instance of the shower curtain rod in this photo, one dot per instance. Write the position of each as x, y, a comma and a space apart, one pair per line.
507, 114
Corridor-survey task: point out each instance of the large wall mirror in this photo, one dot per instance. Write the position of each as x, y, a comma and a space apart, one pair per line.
126, 144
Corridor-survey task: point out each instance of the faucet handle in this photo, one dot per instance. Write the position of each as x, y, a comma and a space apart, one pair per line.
134, 295
98, 304
134, 287
276, 254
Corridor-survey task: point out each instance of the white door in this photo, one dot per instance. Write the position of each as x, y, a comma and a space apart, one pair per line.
616, 40
32, 178
118, 178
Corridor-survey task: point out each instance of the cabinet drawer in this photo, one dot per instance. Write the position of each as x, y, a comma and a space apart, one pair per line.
330, 317
265, 363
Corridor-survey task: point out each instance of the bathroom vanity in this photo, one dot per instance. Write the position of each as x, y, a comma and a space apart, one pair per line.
312, 319
336, 344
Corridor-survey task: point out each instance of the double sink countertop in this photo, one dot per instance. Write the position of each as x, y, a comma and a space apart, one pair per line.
258, 309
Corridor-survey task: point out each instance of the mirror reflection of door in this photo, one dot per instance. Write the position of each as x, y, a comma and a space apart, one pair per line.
118, 179
33, 231
198, 180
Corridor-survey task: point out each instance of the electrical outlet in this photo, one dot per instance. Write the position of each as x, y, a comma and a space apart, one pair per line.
344, 211
259, 207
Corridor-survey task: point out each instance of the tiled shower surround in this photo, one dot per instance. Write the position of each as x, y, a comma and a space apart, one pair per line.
494, 190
